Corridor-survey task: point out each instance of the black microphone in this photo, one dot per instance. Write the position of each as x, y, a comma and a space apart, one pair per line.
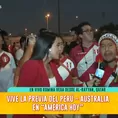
114, 74
102, 65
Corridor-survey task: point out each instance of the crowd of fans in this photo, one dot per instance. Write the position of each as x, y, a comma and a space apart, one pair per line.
51, 60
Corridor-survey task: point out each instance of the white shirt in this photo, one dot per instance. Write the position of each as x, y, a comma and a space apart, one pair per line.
6, 79
6, 73
19, 54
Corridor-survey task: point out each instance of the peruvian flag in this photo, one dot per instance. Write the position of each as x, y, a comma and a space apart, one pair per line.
4, 60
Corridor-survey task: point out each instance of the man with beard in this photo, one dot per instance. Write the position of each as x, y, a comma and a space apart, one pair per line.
85, 53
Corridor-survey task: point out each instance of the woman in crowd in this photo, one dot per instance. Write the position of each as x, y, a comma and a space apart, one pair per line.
41, 70
31, 39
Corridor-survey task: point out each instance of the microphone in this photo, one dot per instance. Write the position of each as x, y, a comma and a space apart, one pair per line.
100, 70
102, 65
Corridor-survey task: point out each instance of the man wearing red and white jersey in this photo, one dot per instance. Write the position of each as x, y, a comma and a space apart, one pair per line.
109, 51
108, 47
84, 54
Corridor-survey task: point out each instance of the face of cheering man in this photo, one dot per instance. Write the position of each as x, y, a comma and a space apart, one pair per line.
108, 50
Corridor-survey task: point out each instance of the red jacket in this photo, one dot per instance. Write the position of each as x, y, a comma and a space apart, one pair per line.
33, 74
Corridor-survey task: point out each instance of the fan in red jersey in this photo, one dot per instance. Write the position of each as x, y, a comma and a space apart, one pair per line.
108, 62
85, 53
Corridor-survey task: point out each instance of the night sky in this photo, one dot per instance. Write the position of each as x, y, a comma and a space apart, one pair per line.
16, 15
